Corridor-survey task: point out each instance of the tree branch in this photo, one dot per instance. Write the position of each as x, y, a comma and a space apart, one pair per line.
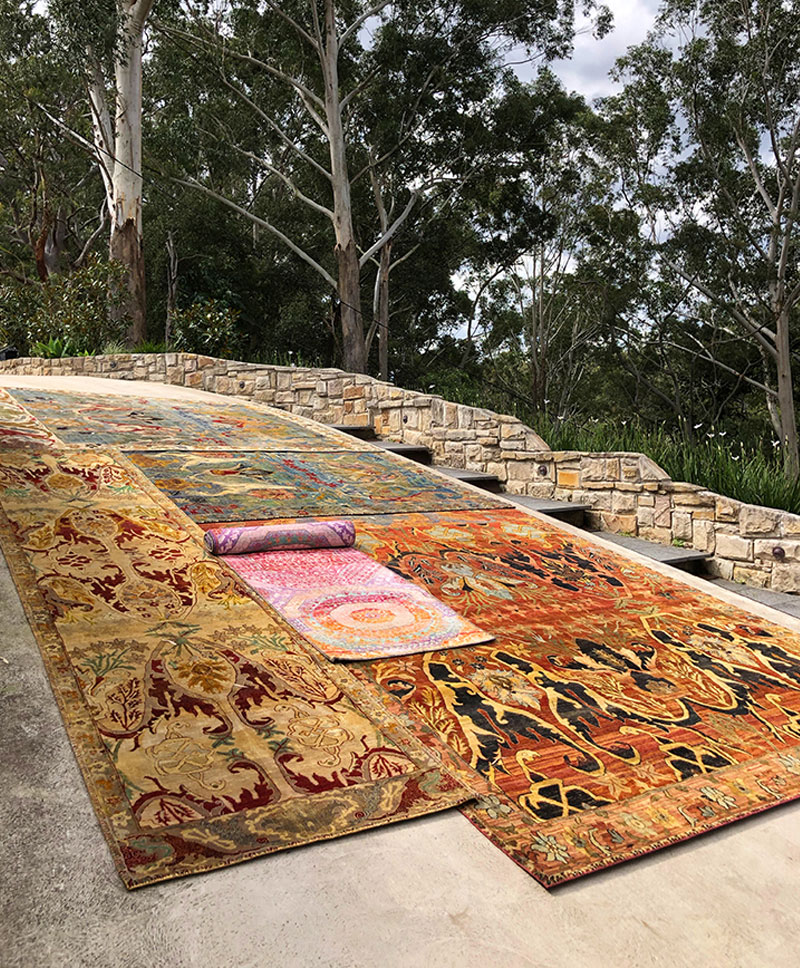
372, 11
390, 231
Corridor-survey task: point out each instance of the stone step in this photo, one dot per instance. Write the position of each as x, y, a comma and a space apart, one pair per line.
361, 431
782, 601
415, 452
568, 511
687, 559
487, 482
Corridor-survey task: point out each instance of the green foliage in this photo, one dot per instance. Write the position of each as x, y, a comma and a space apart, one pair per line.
79, 309
114, 347
208, 326
150, 346
54, 348
744, 471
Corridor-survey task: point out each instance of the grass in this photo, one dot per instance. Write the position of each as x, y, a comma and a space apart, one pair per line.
749, 473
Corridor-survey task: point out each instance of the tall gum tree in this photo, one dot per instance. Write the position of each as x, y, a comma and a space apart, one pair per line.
705, 138
118, 143
105, 39
320, 138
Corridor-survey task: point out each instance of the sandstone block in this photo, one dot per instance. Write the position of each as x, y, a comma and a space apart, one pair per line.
662, 506
682, 525
661, 535
599, 500
600, 469
619, 522
645, 517
541, 489
756, 520
734, 547
623, 502
752, 575
629, 469
727, 509
785, 578
790, 523
703, 535
650, 471
776, 549
519, 471
720, 568
693, 498
568, 478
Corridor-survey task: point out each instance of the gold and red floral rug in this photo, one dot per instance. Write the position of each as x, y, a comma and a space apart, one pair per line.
207, 731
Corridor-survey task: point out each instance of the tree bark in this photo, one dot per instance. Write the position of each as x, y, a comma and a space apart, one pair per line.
349, 282
786, 406
382, 310
118, 148
172, 286
126, 242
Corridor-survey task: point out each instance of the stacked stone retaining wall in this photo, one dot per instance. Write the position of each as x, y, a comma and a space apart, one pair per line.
626, 493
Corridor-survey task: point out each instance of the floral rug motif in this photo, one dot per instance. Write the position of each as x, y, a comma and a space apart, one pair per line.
350, 607
139, 423
208, 733
617, 711
255, 487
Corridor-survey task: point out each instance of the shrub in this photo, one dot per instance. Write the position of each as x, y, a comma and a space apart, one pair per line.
54, 347
208, 326
79, 310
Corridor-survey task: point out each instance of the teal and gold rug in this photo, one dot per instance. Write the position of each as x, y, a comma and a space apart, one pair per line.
248, 487
139, 423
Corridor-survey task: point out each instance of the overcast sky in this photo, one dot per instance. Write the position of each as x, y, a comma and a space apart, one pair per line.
587, 70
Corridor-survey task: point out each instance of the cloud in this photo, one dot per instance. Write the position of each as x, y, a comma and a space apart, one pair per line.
586, 72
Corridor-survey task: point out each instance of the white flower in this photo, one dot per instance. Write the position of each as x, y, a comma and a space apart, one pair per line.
698, 426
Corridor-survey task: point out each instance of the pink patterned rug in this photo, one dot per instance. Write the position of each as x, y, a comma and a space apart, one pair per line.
350, 607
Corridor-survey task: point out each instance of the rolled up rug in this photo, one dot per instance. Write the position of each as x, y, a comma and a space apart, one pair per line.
280, 537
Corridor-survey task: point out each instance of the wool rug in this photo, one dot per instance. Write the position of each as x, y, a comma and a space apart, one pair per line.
298, 536
254, 487
618, 710
350, 607
20, 429
208, 733
139, 423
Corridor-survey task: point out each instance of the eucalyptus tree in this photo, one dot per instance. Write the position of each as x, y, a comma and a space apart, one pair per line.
50, 215
103, 40
705, 138
362, 110
534, 312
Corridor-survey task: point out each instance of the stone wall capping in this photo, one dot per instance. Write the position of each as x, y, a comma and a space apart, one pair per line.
625, 491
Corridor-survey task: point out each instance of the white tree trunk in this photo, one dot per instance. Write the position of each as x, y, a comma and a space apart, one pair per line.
126, 243
349, 284
118, 148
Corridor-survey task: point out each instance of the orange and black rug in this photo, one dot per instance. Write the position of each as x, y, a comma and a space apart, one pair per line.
618, 710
